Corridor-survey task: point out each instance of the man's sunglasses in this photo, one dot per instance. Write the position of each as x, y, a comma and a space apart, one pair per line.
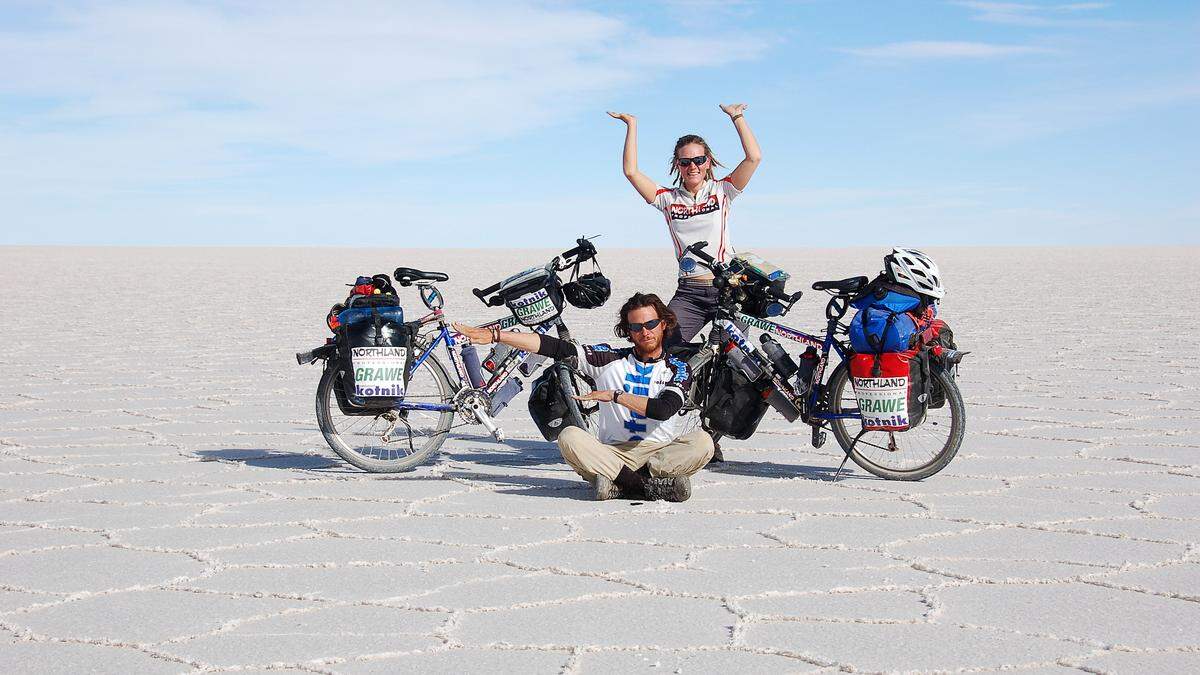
639, 327
698, 161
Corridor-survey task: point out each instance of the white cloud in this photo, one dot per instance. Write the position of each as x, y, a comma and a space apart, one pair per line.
943, 50
1029, 14
120, 94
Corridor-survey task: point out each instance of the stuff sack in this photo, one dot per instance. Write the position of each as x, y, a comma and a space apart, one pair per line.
375, 348
534, 296
891, 388
735, 405
879, 329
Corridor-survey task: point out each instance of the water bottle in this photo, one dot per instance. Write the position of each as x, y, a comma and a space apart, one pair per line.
531, 364
808, 366
784, 365
496, 357
745, 364
471, 361
505, 393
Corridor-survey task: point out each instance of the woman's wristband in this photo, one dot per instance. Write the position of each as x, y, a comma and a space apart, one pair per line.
736, 117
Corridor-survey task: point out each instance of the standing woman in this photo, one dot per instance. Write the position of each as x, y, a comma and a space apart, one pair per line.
697, 209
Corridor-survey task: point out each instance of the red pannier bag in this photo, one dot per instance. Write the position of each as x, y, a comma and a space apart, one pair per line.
890, 388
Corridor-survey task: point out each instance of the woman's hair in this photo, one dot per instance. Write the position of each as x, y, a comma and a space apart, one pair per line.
638, 301
684, 140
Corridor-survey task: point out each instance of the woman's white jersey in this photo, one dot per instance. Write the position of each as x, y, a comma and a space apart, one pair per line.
703, 216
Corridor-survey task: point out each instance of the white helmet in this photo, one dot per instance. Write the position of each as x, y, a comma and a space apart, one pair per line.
909, 267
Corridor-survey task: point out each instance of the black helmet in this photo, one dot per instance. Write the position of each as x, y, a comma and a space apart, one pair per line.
588, 291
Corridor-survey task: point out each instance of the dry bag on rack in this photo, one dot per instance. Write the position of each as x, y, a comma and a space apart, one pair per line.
892, 389
376, 350
534, 296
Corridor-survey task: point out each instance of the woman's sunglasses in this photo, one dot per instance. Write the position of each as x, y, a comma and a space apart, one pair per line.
698, 161
639, 327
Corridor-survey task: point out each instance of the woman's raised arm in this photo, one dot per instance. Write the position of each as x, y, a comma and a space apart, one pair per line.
641, 182
745, 169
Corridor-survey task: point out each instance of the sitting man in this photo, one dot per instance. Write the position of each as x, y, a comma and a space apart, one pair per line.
644, 450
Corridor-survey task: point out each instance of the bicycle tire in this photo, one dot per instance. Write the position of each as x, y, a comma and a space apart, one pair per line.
870, 460
394, 456
575, 416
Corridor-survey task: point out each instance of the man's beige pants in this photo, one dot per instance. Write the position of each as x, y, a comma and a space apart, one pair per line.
683, 456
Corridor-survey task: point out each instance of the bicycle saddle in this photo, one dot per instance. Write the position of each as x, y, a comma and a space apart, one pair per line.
405, 276
841, 287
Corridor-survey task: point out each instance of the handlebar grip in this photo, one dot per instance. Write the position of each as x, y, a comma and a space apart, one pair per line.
481, 294
696, 249
495, 302
584, 250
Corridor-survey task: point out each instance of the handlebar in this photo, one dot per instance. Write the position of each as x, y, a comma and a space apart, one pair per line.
697, 249
583, 251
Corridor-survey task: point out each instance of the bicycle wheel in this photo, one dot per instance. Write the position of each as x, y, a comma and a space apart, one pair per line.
359, 439
919, 452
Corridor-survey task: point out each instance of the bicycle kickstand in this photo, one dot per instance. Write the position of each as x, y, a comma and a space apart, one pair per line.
838, 475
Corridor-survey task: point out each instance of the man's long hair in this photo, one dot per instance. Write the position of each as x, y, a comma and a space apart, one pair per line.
638, 301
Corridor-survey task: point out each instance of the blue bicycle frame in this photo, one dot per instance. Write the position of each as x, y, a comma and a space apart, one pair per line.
825, 344
451, 340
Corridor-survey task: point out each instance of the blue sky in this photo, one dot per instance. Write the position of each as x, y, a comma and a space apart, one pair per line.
476, 124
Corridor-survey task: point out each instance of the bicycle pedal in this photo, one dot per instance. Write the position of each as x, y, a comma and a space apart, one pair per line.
818, 437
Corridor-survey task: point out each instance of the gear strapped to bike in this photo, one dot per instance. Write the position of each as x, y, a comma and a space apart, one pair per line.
895, 380
381, 373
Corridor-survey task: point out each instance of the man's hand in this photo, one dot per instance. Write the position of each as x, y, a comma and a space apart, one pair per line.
732, 109
477, 336
605, 396
624, 117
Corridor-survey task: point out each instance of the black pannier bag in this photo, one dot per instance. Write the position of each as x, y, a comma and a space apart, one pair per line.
735, 405
534, 296
374, 356
548, 404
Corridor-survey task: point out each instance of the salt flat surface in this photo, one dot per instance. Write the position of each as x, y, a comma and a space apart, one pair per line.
167, 503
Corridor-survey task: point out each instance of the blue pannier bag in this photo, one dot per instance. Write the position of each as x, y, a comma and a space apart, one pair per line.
875, 330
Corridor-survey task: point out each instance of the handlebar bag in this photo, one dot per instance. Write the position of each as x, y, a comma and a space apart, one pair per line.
375, 348
891, 388
762, 278
735, 405
534, 296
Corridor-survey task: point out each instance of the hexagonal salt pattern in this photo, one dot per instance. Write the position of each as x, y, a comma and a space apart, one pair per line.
167, 503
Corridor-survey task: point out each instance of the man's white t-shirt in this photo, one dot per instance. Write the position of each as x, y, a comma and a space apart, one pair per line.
700, 217
619, 369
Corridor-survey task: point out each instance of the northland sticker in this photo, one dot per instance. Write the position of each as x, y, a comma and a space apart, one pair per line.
882, 401
379, 371
534, 308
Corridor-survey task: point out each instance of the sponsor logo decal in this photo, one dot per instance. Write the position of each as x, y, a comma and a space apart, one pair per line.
882, 401
683, 211
379, 371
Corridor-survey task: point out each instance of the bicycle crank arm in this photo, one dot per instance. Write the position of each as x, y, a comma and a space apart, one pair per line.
484, 416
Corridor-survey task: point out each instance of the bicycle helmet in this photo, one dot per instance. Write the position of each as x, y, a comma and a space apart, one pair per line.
912, 268
588, 291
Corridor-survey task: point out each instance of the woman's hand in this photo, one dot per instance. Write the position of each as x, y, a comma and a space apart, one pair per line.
732, 109
605, 396
624, 117
477, 336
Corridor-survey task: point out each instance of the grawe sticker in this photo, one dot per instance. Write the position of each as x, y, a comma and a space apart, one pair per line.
534, 308
378, 371
882, 401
